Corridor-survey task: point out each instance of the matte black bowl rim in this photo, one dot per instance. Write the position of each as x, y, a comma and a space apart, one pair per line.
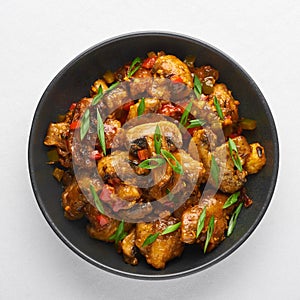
225, 253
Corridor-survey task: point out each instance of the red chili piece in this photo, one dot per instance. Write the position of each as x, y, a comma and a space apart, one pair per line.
73, 105
96, 155
102, 219
176, 79
149, 62
143, 154
74, 125
127, 105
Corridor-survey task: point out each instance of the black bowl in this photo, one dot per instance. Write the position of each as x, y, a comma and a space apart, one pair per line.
74, 81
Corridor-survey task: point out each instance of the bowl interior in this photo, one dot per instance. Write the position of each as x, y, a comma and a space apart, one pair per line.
74, 82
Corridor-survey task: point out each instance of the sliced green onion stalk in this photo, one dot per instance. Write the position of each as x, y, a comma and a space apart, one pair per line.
152, 237
157, 140
209, 232
98, 97
120, 233
237, 160
171, 228
85, 124
114, 85
170, 158
152, 163
218, 108
200, 223
141, 107
233, 219
231, 200
186, 113
135, 65
196, 123
197, 86
100, 132
97, 201
214, 170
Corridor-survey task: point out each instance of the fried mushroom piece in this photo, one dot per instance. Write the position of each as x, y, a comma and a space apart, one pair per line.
256, 159
201, 145
73, 201
231, 178
170, 65
96, 85
100, 230
111, 128
152, 105
101, 227
179, 185
56, 135
129, 249
164, 248
228, 104
214, 207
208, 76
117, 168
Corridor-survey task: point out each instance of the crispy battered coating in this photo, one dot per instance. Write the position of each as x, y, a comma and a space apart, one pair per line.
214, 207
170, 65
256, 159
164, 248
232, 179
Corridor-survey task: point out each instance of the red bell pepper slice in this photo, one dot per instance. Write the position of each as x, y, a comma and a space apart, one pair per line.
102, 219
149, 62
143, 154
75, 124
176, 79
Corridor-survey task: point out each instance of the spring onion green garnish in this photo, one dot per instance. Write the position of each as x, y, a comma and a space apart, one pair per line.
233, 219
236, 160
196, 123
170, 195
170, 158
113, 86
214, 170
152, 163
135, 65
157, 140
97, 201
197, 86
209, 232
200, 223
231, 200
85, 124
171, 228
141, 107
98, 97
152, 237
186, 113
120, 234
218, 108
100, 132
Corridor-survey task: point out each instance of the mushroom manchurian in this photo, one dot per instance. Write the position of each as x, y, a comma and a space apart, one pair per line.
169, 162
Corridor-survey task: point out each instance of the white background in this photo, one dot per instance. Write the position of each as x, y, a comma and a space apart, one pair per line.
38, 38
